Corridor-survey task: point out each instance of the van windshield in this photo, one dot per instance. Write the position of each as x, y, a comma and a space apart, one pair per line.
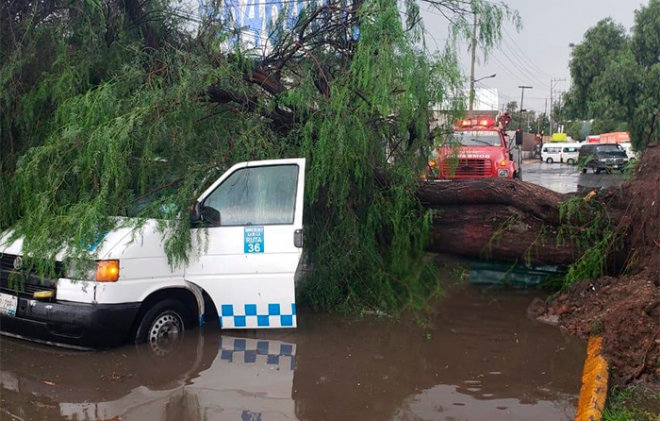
155, 204
475, 138
609, 148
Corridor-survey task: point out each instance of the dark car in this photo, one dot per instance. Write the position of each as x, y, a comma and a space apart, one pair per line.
602, 157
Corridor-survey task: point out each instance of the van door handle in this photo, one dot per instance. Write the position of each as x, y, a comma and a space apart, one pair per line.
298, 238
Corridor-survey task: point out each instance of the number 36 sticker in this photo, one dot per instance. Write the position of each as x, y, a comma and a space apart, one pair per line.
254, 240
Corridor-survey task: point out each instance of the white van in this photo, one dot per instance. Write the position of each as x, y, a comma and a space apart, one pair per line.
632, 155
551, 153
570, 152
248, 240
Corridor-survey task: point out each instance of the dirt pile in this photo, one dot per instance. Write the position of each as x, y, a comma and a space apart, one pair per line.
625, 311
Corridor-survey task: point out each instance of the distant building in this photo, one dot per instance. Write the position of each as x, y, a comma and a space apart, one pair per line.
255, 22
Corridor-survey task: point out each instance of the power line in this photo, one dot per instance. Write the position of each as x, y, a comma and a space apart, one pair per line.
536, 78
523, 52
505, 67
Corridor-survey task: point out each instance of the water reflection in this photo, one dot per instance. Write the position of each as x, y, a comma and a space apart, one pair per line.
483, 360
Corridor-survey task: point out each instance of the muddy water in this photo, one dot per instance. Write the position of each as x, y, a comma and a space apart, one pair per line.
482, 359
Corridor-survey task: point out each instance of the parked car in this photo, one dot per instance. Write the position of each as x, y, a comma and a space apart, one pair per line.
570, 153
602, 157
551, 153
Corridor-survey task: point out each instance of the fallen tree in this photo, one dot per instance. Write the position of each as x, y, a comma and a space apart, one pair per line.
506, 220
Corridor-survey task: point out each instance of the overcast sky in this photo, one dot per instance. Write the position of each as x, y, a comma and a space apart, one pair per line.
549, 26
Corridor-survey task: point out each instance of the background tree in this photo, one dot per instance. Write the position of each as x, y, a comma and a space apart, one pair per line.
511, 107
616, 78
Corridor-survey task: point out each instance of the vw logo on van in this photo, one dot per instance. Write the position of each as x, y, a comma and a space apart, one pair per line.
18, 263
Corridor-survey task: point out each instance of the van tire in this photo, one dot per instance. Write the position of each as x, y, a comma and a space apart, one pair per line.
584, 170
596, 170
570, 161
549, 160
164, 321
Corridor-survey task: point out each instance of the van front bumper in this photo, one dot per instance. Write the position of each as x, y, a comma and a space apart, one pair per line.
70, 324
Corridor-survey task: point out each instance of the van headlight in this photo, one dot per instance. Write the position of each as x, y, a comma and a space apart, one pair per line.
502, 173
81, 269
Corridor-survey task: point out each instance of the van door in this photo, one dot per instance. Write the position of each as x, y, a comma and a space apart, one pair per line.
251, 244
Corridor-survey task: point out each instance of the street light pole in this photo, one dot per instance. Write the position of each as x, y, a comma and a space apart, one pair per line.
474, 59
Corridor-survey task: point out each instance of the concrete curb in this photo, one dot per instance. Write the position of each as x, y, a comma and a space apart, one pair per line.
595, 376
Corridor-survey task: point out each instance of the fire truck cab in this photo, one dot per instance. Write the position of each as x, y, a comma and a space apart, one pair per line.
478, 148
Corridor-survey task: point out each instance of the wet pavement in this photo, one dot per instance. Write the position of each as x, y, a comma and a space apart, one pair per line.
564, 178
480, 358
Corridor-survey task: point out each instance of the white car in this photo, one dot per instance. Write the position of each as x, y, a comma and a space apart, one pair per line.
247, 242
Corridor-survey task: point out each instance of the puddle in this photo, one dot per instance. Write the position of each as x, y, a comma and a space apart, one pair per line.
482, 360
568, 179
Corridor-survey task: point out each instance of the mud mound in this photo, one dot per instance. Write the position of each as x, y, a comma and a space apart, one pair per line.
643, 196
625, 311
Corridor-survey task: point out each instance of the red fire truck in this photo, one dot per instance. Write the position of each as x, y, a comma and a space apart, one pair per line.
478, 148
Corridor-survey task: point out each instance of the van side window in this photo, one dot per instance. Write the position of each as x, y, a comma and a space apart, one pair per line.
256, 196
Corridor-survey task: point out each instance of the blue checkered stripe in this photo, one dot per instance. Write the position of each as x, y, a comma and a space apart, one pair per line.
255, 351
257, 316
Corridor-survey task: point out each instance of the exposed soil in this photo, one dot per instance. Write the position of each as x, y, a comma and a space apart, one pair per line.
625, 311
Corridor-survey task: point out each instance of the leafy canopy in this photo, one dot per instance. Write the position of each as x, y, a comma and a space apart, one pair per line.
616, 77
116, 108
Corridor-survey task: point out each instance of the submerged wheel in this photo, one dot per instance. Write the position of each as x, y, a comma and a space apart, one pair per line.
549, 160
584, 170
162, 327
570, 161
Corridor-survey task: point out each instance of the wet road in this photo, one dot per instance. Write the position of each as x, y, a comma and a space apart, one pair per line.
482, 358
564, 178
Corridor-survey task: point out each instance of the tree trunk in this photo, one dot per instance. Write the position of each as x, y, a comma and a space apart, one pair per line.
506, 220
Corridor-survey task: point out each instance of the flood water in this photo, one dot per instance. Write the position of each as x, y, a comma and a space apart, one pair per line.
564, 178
482, 358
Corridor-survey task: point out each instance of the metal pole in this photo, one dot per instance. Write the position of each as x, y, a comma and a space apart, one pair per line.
522, 98
474, 58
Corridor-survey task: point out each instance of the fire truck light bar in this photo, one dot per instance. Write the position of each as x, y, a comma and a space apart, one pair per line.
485, 122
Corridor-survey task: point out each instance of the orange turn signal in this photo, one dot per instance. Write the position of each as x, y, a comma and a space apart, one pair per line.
107, 270
503, 163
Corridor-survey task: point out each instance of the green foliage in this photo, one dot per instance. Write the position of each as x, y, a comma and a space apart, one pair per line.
601, 45
587, 224
122, 116
616, 77
577, 130
632, 403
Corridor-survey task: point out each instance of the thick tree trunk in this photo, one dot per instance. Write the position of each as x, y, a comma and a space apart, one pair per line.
506, 220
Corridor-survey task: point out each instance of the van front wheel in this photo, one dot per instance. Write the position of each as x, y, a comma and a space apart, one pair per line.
162, 327
570, 161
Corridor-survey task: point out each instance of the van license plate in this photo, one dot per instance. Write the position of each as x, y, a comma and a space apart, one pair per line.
8, 304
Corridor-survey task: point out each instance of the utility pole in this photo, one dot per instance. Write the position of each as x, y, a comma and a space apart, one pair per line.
552, 89
522, 97
474, 58
545, 112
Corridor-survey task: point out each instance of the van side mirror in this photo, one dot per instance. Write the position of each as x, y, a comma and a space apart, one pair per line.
195, 213
204, 216
519, 138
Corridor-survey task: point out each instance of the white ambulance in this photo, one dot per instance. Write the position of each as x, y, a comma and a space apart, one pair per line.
247, 234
